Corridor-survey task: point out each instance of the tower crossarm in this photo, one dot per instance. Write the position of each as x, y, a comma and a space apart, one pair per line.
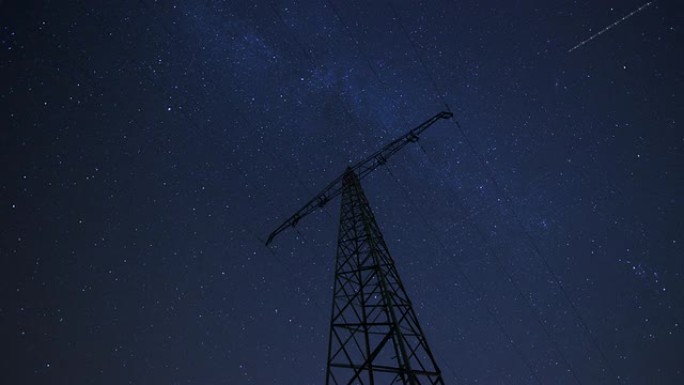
362, 169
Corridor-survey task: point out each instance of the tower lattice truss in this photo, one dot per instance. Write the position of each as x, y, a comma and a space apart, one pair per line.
375, 337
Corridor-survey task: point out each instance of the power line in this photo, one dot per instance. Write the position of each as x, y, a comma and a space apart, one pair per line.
467, 279
470, 218
531, 240
241, 171
434, 83
242, 116
509, 276
483, 164
366, 58
396, 18
244, 174
538, 252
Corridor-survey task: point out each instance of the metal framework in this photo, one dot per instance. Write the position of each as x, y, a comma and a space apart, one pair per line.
375, 337
362, 168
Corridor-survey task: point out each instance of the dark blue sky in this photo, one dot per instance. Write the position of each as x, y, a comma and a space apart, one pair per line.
149, 147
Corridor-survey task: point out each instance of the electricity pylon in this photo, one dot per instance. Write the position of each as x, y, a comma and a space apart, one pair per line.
375, 337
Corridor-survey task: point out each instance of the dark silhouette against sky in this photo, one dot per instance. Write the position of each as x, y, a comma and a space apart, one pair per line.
149, 148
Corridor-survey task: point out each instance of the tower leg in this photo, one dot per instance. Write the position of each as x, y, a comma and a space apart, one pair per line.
374, 337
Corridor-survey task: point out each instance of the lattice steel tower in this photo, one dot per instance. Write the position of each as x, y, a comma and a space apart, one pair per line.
375, 337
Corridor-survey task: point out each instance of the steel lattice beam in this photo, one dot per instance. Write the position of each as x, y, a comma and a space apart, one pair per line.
374, 337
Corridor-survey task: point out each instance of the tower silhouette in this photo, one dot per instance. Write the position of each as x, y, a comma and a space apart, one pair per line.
375, 337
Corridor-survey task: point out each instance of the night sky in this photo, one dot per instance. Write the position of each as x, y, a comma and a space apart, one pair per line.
149, 147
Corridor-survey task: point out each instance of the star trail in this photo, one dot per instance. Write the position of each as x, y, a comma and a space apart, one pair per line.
594, 36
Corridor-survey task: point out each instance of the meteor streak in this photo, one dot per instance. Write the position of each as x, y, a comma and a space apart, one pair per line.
594, 36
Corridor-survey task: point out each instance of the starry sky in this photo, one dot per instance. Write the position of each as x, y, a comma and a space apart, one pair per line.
149, 148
